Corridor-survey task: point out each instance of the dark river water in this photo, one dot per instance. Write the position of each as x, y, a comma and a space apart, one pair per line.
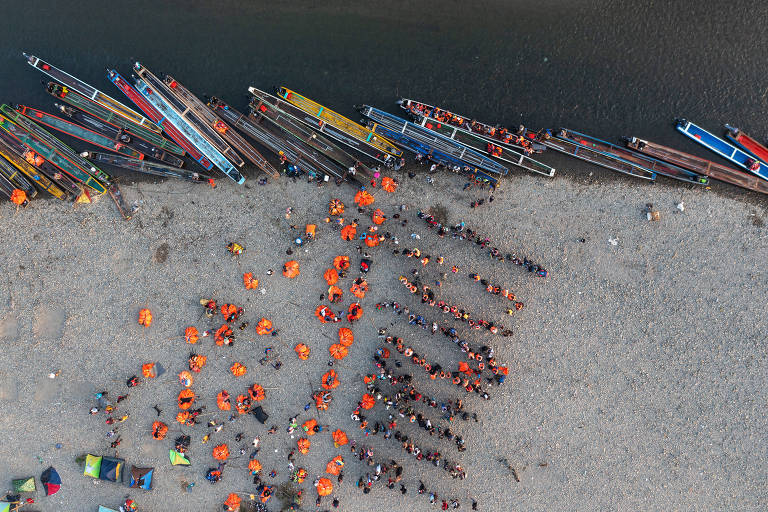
607, 68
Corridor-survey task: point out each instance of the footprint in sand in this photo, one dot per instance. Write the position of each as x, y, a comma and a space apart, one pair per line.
49, 322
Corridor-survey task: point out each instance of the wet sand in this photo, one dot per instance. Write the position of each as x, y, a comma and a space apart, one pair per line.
637, 375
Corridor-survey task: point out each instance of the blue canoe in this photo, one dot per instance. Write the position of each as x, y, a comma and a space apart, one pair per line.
173, 117
434, 140
722, 148
434, 154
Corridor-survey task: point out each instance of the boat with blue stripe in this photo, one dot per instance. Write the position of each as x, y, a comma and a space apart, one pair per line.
722, 148
170, 115
642, 162
434, 154
433, 140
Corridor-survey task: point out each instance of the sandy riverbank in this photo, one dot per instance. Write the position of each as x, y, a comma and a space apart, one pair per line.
637, 376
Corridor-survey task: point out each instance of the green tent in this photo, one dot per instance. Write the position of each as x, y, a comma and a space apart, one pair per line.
24, 484
92, 466
177, 459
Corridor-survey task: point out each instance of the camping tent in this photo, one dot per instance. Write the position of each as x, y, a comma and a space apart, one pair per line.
112, 469
260, 414
51, 481
178, 459
141, 478
92, 466
24, 484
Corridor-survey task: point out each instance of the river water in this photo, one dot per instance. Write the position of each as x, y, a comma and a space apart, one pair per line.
608, 68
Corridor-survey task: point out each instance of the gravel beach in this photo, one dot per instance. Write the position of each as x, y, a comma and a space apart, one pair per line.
637, 368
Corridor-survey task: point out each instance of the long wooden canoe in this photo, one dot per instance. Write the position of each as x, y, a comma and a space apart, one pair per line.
498, 135
340, 122
219, 127
77, 131
189, 116
747, 143
603, 160
487, 147
7, 187
118, 135
145, 166
52, 155
43, 135
31, 172
17, 178
262, 105
24, 153
434, 140
171, 116
432, 153
280, 142
79, 101
643, 162
722, 148
320, 126
698, 164
151, 112
91, 93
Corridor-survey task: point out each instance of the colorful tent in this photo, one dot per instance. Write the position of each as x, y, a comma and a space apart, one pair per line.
335, 294
349, 232
309, 426
51, 481
92, 466
338, 351
254, 466
291, 269
191, 335
223, 402
302, 351
330, 380
335, 466
389, 184
24, 484
335, 207
221, 452
159, 430
346, 337
339, 438
145, 317
186, 379
303, 444
238, 369
341, 262
249, 282
324, 487
264, 327
378, 217
363, 198
186, 399
178, 459
141, 478
111, 469
232, 503
368, 401
6, 507
331, 276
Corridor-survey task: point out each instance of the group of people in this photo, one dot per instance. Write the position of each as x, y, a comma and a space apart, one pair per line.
461, 232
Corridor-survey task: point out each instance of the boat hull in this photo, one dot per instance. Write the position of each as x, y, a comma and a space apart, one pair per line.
145, 167
721, 147
699, 165
92, 93
643, 163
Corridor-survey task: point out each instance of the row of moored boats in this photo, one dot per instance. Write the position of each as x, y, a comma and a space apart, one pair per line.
169, 126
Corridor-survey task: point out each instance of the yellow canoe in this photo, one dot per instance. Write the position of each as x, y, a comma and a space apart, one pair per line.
340, 122
33, 174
